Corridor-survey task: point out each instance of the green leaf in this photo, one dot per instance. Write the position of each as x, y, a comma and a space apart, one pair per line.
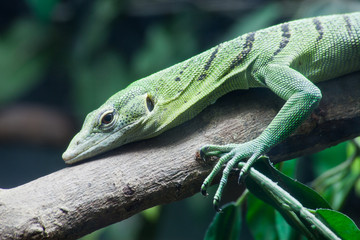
226, 224
342, 225
329, 158
260, 218
283, 229
152, 214
308, 197
336, 183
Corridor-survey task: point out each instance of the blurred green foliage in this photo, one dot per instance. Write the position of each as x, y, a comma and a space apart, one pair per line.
43, 9
23, 58
95, 48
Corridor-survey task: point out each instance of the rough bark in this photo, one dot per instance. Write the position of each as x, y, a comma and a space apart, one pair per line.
79, 199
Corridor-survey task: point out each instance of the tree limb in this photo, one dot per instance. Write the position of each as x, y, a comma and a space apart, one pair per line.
77, 200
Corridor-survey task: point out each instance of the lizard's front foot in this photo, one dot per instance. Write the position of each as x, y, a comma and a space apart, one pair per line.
230, 155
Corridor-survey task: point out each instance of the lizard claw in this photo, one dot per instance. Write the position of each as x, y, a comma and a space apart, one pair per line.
202, 154
203, 190
216, 205
242, 175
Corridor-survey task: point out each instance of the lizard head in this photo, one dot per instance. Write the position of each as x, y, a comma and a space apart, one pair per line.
120, 120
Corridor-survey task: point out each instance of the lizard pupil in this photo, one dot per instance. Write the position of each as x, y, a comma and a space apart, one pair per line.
107, 118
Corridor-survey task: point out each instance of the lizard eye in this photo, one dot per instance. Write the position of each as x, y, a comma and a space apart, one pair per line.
149, 103
107, 118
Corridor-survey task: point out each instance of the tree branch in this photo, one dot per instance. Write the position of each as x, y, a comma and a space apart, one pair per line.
77, 200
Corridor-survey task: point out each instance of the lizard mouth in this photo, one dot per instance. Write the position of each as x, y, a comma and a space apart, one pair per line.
83, 151
80, 149
71, 156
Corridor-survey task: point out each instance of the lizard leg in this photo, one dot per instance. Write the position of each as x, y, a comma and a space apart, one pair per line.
301, 96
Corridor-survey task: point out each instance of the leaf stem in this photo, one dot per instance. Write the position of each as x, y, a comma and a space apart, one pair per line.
288, 202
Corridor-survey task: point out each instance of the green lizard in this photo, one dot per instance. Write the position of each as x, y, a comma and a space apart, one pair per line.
287, 58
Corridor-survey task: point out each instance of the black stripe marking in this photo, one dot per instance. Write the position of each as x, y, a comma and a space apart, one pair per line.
177, 79
202, 77
348, 24
212, 57
319, 28
285, 38
246, 50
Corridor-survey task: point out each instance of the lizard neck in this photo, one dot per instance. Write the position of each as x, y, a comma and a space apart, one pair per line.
182, 91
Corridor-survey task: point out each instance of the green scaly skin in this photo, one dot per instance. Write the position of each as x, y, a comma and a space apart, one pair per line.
287, 58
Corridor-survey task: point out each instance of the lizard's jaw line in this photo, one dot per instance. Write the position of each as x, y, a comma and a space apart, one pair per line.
77, 152
72, 158
80, 151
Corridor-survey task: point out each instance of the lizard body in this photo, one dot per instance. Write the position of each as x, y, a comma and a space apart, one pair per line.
286, 58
